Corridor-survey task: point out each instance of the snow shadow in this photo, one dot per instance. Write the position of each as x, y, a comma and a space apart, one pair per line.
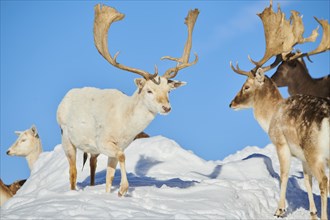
297, 197
268, 163
140, 178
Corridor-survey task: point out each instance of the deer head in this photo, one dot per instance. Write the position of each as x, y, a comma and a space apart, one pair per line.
25, 143
152, 88
288, 72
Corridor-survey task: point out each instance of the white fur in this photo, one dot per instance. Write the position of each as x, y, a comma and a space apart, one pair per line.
27, 145
324, 139
106, 121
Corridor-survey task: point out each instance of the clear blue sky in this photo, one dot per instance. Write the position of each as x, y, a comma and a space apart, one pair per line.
47, 49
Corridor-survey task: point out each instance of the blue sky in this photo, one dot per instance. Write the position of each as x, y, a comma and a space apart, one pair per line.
47, 49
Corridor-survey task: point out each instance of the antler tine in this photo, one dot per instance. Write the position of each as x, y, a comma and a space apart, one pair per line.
324, 44
239, 71
172, 72
274, 64
281, 35
183, 61
104, 17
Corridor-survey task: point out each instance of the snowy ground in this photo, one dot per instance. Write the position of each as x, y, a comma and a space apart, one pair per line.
166, 182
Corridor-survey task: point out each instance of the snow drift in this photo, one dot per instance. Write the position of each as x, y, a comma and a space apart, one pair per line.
166, 182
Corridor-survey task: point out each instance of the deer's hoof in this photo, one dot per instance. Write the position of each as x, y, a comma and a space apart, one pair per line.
280, 213
314, 215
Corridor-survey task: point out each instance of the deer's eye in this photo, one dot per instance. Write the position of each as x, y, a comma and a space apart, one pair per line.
149, 91
23, 140
246, 88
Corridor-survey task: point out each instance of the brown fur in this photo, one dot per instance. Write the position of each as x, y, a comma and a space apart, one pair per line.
5, 193
15, 186
8, 191
294, 74
297, 126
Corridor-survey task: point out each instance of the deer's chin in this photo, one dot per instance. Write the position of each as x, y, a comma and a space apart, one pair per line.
238, 107
164, 113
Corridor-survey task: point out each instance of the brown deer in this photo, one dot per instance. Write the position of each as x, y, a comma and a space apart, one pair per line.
298, 126
5, 193
294, 74
106, 121
8, 191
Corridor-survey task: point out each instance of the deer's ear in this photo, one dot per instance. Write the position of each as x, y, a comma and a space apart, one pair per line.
34, 131
140, 82
18, 133
175, 84
260, 76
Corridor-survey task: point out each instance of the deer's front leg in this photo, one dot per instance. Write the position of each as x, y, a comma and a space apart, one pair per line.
123, 182
284, 157
111, 169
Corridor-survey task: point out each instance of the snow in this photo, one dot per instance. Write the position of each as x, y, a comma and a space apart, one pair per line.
166, 182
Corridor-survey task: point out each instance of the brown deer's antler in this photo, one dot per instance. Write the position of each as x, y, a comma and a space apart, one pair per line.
183, 61
324, 44
104, 17
281, 35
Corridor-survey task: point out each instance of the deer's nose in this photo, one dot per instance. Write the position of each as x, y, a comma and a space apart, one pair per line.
167, 109
8, 152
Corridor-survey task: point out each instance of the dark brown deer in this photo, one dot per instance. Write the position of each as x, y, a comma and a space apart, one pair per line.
294, 74
298, 126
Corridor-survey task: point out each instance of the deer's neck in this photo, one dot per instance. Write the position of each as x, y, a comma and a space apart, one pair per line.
34, 155
300, 83
266, 100
138, 114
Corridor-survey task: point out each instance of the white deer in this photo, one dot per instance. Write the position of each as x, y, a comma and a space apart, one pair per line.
106, 121
28, 145
298, 126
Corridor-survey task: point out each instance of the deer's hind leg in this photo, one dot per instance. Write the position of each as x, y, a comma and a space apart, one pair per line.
93, 164
308, 185
70, 152
318, 170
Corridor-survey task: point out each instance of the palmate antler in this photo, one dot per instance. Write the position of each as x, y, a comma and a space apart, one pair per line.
105, 16
324, 44
282, 35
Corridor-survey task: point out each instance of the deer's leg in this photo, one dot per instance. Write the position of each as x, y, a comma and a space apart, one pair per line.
308, 185
318, 169
123, 182
70, 152
284, 156
93, 163
112, 163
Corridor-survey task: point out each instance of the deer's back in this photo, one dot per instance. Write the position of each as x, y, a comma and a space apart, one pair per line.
304, 122
85, 113
88, 103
